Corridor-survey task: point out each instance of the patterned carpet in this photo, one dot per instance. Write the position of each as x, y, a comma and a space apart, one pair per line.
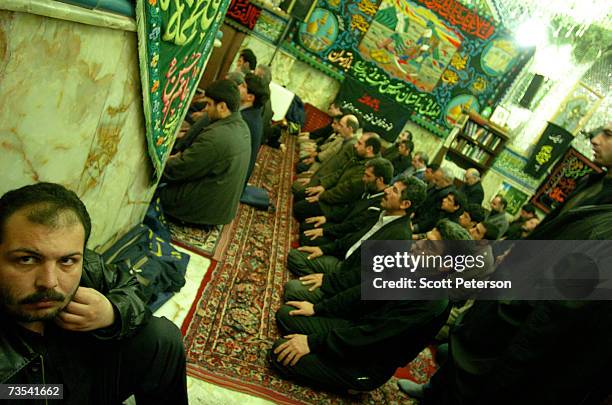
195, 239
232, 325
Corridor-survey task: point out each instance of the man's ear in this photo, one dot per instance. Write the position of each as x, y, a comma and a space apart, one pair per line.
405, 204
222, 105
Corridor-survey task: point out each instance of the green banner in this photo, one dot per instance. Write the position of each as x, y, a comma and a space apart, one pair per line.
175, 38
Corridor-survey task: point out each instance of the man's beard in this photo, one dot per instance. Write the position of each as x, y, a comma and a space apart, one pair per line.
14, 309
370, 188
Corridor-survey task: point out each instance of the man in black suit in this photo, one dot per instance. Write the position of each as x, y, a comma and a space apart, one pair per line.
473, 187
336, 341
393, 224
429, 213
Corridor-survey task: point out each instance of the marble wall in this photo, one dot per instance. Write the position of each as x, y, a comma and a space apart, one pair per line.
72, 114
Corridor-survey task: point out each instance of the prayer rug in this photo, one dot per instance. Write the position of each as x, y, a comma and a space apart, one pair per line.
194, 239
231, 325
213, 243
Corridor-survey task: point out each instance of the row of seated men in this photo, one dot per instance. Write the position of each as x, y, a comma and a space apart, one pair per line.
69, 318
328, 152
500, 352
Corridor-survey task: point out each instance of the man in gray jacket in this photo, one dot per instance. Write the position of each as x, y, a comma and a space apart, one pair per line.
205, 181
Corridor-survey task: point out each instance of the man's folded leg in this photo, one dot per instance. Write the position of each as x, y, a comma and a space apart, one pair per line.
299, 264
152, 364
323, 372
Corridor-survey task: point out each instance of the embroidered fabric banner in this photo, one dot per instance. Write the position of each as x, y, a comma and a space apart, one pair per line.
334, 30
378, 113
553, 142
269, 26
514, 197
175, 38
243, 13
445, 50
563, 180
510, 164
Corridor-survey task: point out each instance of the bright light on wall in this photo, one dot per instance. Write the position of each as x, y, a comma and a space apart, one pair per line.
532, 32
553, 61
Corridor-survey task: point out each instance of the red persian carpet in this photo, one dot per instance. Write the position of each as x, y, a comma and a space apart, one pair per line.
231, 325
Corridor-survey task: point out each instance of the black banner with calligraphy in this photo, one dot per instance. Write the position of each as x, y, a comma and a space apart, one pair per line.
553, 142
244, 13
563, 180
378, 113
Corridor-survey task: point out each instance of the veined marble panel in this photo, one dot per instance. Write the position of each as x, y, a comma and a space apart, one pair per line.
116, 180
73, 115
46, 125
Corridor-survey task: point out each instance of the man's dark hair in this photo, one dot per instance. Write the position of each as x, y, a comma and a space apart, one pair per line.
529, 208
255, 86
460, 200
250, 57
492, 231
415, 191
450, 230
224, 91
433, 166
409, 145
477, 213
46, 202
373, 141
382, 168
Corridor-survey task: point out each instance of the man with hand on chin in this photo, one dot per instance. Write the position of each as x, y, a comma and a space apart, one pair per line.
68, 318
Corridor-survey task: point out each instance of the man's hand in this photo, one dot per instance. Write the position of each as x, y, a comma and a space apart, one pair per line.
317, 221
313, 199
303, 180
315, 190
313, 280
314, 251
292, 350
88, 310
197, 115
308, 161
303, 308
314, 233
198, 98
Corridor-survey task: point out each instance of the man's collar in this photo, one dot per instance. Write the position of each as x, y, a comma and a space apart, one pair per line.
389, 217
375, 195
